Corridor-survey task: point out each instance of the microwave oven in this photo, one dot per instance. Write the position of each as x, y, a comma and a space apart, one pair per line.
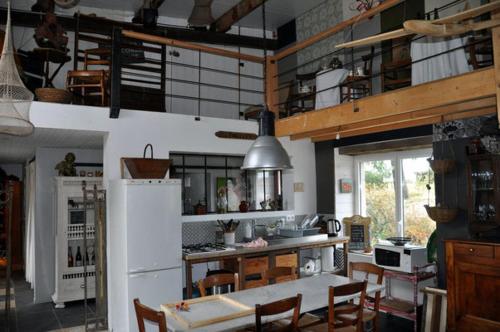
399, 258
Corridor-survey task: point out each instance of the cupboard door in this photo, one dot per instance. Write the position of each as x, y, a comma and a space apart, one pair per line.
477, 300
254, 268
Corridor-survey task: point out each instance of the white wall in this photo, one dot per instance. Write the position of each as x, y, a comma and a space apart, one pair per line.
127, 136
45, 224
13, 169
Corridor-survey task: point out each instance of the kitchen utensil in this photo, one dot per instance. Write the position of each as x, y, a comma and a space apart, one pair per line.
287, 232
333, 227
229, 238
398, 241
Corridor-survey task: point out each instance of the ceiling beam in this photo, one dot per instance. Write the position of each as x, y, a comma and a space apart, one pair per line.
153, 4
236, 13
105, 26
458, 89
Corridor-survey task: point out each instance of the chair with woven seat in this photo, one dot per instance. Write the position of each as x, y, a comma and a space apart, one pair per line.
377, 274
221, 279
279, 274
358, 86
275, 308
87, 84
346, 319
145, 313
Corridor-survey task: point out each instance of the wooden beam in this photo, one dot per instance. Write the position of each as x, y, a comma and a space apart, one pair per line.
407, 124
236, 13
396, 118
495, 36
337, 28
384, 146
191, 46
272, 92
462, 88
467, 14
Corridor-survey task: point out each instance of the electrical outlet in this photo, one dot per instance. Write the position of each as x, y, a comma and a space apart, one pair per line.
290, 217
298, 187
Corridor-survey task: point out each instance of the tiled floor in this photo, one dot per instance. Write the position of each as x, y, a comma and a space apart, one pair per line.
29, 317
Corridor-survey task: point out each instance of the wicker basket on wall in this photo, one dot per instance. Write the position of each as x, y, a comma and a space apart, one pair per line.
52, 95
441, 214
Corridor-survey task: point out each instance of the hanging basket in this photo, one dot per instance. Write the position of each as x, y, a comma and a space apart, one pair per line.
441, 214
146, 168
441, 166
52, 95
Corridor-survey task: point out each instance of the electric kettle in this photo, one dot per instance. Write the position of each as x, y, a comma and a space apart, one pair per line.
333, 227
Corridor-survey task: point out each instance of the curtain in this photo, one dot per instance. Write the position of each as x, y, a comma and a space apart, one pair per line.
30, 223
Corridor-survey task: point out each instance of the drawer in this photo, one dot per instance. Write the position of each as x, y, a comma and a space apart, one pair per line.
255, 265
289, 260
476, 250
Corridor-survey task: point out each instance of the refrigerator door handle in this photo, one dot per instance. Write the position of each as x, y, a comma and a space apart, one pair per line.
139, 269
138, 275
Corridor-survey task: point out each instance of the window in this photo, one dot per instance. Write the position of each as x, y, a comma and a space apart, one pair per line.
392, 191
217, 183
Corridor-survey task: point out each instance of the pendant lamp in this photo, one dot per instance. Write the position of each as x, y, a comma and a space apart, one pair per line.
266, 153
15, 98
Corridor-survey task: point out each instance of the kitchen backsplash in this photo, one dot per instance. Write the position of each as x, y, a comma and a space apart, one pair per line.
204, 231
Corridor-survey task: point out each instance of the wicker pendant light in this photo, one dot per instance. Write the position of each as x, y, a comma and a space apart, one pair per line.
15, 98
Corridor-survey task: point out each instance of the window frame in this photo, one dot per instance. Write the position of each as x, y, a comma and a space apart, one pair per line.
397, 157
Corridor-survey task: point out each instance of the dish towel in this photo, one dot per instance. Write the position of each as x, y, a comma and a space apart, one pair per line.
326, 79
445, 65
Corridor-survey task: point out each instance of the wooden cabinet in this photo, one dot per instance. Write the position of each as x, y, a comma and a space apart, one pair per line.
16, 233
483, 198
473, 281
254, 267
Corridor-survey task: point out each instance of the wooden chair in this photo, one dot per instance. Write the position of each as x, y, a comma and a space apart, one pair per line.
480, 52
347, 319
87, 83
96, 56
145, 313
378, 272
275, 308
358, 86
221, 279
279, 274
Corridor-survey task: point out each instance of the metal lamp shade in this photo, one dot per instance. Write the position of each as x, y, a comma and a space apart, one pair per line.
266, 153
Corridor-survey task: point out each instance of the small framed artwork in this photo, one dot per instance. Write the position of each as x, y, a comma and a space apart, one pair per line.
345, 186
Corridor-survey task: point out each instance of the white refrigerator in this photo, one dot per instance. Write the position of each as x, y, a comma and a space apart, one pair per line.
144, 247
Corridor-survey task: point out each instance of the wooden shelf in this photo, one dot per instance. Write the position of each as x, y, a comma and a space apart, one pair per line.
237, 215
397, 304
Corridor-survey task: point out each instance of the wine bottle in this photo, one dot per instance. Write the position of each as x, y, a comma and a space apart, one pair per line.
87, 262
92, 262
78, 258
70, 257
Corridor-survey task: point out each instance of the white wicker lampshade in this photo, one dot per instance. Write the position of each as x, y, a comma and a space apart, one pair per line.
15, 98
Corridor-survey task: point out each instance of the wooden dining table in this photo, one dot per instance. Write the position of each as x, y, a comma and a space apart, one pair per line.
314, 292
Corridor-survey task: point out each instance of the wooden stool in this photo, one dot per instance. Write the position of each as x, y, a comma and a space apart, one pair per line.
87, 82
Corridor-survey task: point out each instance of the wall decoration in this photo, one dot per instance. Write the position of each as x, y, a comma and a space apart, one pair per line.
67, 166
358, 229
345, 186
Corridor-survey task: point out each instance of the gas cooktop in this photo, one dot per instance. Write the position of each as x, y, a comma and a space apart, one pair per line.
199, 248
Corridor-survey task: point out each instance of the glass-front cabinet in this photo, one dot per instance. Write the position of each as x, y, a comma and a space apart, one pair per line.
71, 253
484, 201
217, 184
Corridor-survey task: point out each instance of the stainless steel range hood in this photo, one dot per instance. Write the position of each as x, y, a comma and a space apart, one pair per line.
266, 153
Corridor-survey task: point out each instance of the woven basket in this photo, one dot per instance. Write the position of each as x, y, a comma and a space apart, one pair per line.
441, 166
441, 214
52, 95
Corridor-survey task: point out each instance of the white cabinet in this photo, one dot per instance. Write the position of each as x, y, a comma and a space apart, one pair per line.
69, 214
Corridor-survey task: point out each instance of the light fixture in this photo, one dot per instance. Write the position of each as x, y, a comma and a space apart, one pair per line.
266, 153
15, 98
201, 16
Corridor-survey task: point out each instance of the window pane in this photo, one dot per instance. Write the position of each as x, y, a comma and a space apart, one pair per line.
416, 174
378, 198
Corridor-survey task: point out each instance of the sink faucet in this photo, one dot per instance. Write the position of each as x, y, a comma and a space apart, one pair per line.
253, 228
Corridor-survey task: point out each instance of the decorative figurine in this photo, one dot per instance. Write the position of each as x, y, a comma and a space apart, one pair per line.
67, 166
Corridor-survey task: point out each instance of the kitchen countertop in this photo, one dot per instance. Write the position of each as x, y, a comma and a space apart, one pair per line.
313, 241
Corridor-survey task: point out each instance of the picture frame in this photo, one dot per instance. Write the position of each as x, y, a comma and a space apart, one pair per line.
345, 186
358, 230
